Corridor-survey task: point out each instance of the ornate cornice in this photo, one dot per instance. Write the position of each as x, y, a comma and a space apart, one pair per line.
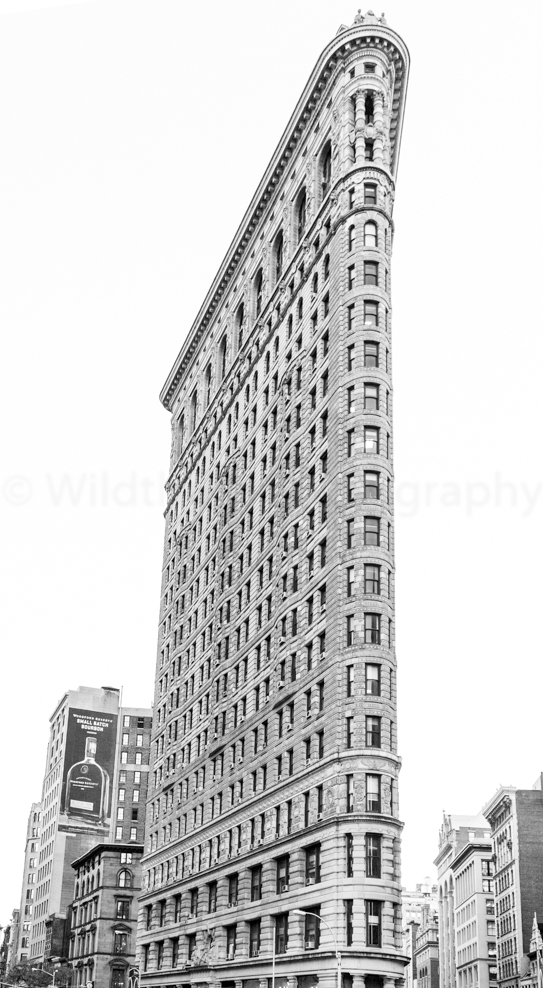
360, 36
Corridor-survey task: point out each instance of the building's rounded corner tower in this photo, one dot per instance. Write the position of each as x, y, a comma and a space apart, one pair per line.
273, 834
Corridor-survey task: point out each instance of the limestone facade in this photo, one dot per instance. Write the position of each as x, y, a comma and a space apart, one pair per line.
272, 829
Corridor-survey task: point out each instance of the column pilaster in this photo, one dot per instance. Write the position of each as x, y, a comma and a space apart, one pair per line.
378, 146
359, 125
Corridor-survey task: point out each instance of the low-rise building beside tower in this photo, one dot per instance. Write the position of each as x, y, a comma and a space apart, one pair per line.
94, 794
273, 829
467, 924
515, 817
104, 915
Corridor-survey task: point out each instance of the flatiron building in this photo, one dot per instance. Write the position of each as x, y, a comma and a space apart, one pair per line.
272, 850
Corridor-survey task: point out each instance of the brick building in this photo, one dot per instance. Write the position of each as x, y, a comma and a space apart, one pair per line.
94, 790
272, 823
516, 820
104, 914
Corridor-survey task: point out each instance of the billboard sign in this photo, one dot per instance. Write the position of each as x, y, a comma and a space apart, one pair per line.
87, 780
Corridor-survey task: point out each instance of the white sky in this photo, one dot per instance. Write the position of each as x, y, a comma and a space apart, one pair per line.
132, 136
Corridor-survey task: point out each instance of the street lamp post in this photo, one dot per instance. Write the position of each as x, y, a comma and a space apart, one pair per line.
306, 912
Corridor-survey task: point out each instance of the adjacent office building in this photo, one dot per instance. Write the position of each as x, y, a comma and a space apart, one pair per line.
516, 820
94, 790
464, 903
20, 953
426, 953
273, 829
420, 934
474, 915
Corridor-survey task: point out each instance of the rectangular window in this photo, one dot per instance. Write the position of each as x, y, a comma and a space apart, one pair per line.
371, 484
281, 933
256, 883
350, 793
373, 732
350, 318
371, 397
349, 921
350, 533
372, 629
312, 929
351, 400
371, 312
371, 354
313, 864
373, 679
350, 629
349, 723
372, 578
371, 273
373, 793
371, 440
254, 938
350, 581
373, 856
231, 941
370, 194
350, 276
373, 923
212, 897
371, 530
350, 356
350, 441
349, 855
282, 874
233, 890
350, 487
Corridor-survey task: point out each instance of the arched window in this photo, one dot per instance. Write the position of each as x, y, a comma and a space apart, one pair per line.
240, 317
278, 255
352, 233
258, 293
222, 358
368, 109
326, 169
207, 385
370, 234
124, 880
301, 214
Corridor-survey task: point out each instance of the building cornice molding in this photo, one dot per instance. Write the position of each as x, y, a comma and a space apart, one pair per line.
359, 37
485, 847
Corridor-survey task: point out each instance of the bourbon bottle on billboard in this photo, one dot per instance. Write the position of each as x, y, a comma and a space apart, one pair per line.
87, 787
